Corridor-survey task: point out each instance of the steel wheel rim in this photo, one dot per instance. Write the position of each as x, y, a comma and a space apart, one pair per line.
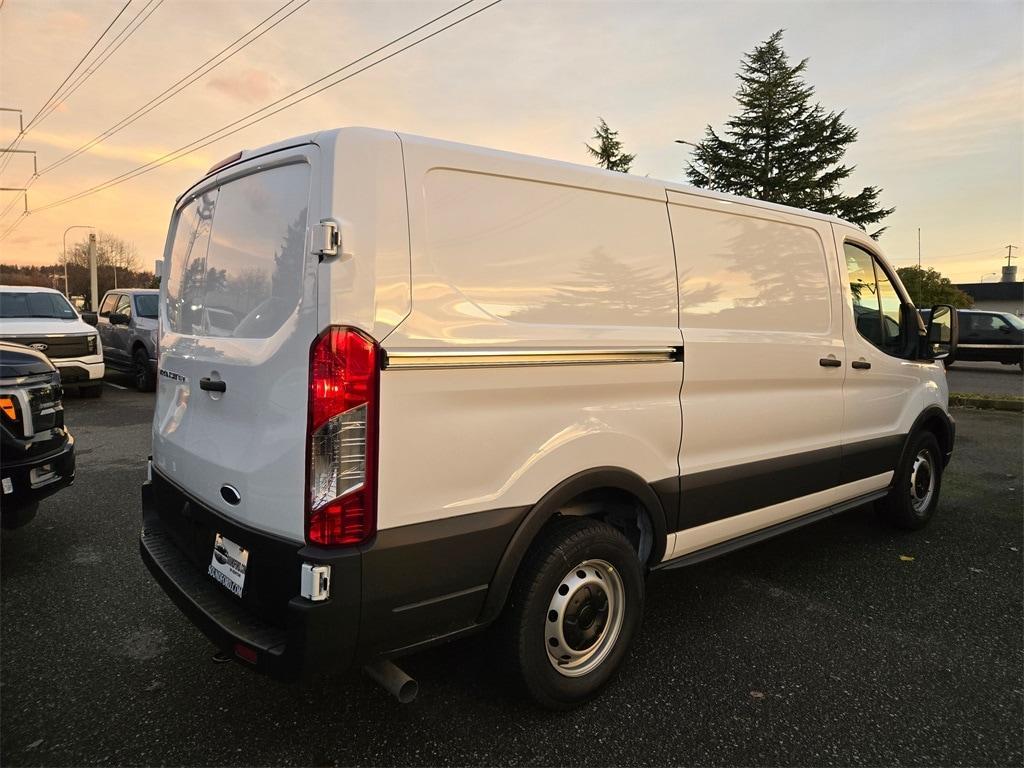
922, 481
584, 618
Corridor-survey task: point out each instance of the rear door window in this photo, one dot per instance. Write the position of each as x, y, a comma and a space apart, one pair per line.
255, 258
187, 269
238, 255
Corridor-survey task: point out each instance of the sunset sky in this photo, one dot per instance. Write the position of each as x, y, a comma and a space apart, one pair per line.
935, 89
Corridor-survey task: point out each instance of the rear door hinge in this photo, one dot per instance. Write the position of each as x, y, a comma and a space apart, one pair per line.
326, 238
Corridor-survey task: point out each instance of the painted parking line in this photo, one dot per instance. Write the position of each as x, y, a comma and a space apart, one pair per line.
115, 386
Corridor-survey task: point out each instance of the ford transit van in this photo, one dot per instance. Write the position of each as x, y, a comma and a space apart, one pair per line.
408, 389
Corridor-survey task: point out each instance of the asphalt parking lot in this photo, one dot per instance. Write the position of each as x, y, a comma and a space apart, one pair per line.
986, 379
845, 643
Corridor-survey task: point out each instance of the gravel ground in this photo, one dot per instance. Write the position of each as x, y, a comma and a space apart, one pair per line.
829, 646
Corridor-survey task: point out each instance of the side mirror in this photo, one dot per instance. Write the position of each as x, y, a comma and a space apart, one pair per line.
90, 318
941, 333
116, 318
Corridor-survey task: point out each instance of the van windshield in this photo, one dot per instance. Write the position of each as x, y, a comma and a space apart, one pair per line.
237, 257
32, 304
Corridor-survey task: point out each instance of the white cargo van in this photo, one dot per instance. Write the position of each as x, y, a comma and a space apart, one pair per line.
409, 388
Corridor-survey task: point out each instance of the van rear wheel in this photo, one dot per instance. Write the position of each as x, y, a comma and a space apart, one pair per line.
575, 607
915, 492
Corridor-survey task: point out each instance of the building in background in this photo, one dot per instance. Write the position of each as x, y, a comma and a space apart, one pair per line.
1005, 296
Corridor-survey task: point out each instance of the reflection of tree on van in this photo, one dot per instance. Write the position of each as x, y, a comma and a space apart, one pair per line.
598, 286
285, 285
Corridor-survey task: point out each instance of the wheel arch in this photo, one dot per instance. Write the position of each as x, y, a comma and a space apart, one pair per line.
935, 420
622, 483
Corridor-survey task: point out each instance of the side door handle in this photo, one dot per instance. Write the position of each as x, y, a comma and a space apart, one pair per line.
860, 365
829, 362
208, 384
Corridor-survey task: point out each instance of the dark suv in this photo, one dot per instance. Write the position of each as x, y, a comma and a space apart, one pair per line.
37, 453
990, 336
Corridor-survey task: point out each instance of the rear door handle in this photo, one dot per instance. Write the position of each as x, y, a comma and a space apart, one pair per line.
860, 365
829, 362
210, 385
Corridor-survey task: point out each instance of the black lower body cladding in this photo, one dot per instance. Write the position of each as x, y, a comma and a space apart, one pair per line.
409, 587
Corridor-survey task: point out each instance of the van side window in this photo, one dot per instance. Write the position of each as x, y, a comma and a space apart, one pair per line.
108, 304
876, 304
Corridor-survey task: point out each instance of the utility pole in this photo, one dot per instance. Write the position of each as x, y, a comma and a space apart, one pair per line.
92, 273
65, 241
918, 247
35, 161
1009, 254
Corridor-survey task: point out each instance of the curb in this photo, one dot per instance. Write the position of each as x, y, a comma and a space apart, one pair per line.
986, 402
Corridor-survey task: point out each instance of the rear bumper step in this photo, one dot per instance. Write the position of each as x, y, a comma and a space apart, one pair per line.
277, 632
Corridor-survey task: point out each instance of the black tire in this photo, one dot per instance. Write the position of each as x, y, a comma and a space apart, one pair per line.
12, 519
144, 380
91, 391
909, 505
560, 555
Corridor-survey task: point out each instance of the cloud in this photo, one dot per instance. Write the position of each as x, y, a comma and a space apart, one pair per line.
962, 121
251, 85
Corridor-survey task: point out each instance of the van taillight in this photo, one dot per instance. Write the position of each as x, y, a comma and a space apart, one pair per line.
342, 504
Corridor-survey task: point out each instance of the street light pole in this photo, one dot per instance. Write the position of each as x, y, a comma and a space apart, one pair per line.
73, 226
707, 174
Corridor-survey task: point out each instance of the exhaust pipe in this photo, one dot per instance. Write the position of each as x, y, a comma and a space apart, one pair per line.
393, 680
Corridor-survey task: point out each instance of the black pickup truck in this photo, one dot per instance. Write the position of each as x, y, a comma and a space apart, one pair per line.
37, 453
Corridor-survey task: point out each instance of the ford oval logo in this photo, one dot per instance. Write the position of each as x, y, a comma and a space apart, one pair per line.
40, 347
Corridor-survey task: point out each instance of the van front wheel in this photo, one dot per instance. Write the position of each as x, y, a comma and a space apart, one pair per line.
916, 484
575, 607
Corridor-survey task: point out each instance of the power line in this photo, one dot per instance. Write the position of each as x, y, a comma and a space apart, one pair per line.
11, 228
112, 46
25, 128
179, 86
75, 68
213, 136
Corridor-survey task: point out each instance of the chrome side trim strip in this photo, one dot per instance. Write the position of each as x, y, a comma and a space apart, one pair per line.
495, 358
990, 346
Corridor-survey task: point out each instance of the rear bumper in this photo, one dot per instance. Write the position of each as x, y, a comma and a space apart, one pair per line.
289, 635
28, 484
407, 588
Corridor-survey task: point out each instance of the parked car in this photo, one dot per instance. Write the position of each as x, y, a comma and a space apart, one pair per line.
990, 336
467, 405
127, 322
43, 319
37, 453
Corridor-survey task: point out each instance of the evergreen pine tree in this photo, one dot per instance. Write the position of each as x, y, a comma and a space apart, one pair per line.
782, 147
609, 154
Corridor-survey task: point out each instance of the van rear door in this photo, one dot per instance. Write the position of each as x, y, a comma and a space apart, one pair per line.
238, 315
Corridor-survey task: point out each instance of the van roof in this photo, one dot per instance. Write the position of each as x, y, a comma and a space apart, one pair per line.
582, 172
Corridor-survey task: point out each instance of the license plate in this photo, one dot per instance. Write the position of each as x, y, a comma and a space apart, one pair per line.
227, 566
